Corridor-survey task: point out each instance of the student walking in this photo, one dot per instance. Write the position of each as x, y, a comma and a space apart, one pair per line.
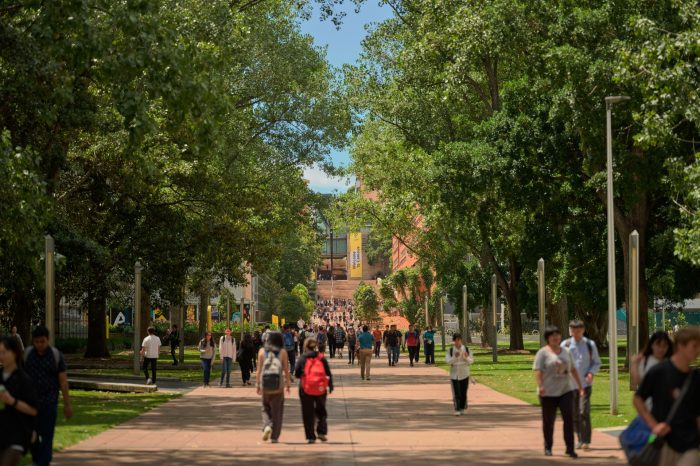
227, 353
289, 345
13, 333
673, 387
322, 339
339, 340
412, 344
377, 334
18, 404
658, 349
393, 345
331, 341
429, 346
352, 346
150, 349
207, 351
174, 342
245, 356
366, 344
272, 378
316, 382
587, 362
459, 359
556, 374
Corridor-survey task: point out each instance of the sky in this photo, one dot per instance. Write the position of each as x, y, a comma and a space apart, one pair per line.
342, 46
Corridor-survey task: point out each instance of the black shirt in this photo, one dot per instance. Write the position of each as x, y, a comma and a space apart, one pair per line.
16, 427
663, 384
44, 370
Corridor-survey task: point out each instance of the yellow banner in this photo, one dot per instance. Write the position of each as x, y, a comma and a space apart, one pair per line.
275, 320
355, 255
282, 321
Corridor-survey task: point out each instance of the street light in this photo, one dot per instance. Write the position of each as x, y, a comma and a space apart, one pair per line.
49, 277
541, 298
138, 269
612, 298
465, 315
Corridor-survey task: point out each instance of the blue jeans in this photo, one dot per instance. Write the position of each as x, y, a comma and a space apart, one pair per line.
394, 352
226, 369
45, 423
206, 368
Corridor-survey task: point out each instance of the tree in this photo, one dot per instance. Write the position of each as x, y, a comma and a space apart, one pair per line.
366, 303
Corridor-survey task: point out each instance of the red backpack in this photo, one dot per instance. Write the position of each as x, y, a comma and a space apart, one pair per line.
315, 381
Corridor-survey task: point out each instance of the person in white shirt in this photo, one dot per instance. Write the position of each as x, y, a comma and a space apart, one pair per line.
227, 353
658, 349
459, 358
150, 349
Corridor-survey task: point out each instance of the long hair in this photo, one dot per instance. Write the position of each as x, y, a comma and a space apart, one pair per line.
310, 344
211, 341
658, 336
11, 344
274, 341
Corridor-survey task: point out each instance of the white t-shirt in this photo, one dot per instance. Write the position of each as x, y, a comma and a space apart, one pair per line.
152, 345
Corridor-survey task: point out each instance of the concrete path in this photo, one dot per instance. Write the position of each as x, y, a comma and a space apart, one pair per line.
403, 416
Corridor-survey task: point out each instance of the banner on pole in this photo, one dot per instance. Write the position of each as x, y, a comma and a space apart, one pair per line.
355, 250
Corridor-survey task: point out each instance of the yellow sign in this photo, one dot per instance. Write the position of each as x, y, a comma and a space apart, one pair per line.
275, 320
355, 255
282, 321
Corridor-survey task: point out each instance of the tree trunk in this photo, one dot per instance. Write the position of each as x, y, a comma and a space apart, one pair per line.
510, 292
97, 324
596, 325
559, 315
485, 326
203, 304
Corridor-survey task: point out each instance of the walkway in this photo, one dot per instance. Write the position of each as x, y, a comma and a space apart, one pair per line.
402, 417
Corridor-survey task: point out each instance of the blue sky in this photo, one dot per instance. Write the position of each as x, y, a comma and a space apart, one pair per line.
342, 46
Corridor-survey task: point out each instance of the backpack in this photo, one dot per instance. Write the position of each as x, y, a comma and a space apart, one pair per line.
321, 338
272, 374
288, 341
589, 344
315, 381
56, 355
453, 348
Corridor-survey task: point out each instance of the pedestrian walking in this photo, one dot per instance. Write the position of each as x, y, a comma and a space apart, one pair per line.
366, 344
227, 353
429, 346
257, 342
322, 339
207, 351
14, 334
150, 350
339, 340
46, 367
245, 356
659, 348
587, 362
459, 359
556, 376
393, 345
377, 334
18, 404
352, 345
411, 339
331, 341
290, 346
673, 387
174, 342
316, 382
272, 378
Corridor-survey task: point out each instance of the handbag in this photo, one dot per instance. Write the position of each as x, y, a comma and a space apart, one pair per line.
643, 448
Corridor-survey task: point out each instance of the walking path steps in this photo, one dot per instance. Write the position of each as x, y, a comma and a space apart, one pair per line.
403, 416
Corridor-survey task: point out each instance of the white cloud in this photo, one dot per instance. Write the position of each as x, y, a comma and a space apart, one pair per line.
321, 182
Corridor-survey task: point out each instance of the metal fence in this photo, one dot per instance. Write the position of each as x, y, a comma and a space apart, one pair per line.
72, 319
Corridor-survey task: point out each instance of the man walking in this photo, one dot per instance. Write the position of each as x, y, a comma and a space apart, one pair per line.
46, 367
412, 343
393, 345
227, 353
377, 334
174, 341
15, 335
339, 336
290, 346
150, 349
587, 362
366, 342
429, 346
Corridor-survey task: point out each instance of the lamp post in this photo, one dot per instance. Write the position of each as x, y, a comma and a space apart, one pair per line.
50, 275
442, 320
612, 298
633, 302
494, 298
427, 317
137, 317
465, 315
541, 298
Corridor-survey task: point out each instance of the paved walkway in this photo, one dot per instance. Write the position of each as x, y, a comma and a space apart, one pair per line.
402, 417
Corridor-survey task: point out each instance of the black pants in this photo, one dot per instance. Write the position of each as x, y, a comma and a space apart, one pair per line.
292, 356
351, 354
153, 362
45, 425
413, 354
313, 411
173, 348
429, 353
331, 346
377, 348
459, 393
582, 415
565, 403
245, 370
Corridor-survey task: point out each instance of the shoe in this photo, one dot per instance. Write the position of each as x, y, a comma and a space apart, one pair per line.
411, 364
322, 438
267, 431
547, 452
221, 384
311, 440
457, 413
572, 455
228, 385
461, 412
363, 378
579, 445
249, 383
586, 446
368, 379
274, 440
149, 382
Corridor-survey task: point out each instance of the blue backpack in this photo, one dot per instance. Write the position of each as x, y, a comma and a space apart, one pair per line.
288, 341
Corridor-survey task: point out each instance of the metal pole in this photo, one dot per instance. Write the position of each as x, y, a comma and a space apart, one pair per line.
137, 317
633, 304
50, 315
541, 299
494, 298
427, 318
242, 312
465, 315
442, 321
612, 298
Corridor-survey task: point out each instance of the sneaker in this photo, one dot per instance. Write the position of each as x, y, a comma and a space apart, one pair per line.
322, 438
579, 445
368, 379
363, 378
411, 364
311, 440
149, 382
221, 384
547, 452
572, 455
267, 431
274, 440
461, 412
457, 413
228, 385
586, 446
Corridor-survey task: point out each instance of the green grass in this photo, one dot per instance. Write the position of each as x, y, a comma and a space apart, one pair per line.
513, 375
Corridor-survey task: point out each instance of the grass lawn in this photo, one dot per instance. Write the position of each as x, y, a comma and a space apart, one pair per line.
513, 375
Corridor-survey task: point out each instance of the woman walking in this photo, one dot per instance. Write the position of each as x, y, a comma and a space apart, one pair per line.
352, 345
459, 359
18, 404
245, 357
207, 351
556, 377
658, 349
272, 377
316, 381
